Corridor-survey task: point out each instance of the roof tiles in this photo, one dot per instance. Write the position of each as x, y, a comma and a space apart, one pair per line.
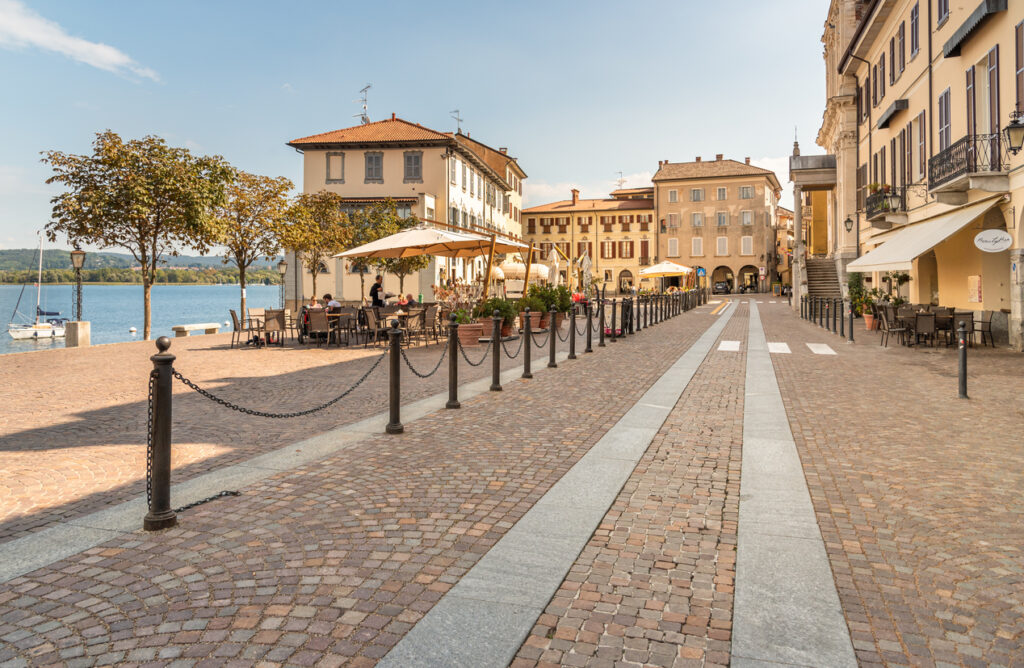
391, 130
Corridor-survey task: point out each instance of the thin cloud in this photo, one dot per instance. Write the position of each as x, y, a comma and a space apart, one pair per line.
20, 27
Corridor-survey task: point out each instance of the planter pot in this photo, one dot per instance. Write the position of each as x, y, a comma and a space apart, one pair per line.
559, 319
534, 319
869, 321
543, 320
470, 334
488, 325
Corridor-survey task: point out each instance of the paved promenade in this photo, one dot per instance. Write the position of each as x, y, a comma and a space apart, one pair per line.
619, 510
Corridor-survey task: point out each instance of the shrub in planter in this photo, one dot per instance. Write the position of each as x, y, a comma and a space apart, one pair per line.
536, 306
469, 331
484, 312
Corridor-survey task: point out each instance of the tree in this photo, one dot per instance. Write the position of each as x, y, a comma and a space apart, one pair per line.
141, 195
370, 223
404, 266
317, 231
249, 221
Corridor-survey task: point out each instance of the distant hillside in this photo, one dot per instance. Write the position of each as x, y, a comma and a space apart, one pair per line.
26, 258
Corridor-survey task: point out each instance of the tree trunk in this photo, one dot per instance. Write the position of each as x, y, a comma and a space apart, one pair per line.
146, 306
362, 287
314, 284
241, 283
401, 285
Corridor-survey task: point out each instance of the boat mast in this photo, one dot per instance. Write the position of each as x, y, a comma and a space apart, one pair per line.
39, 277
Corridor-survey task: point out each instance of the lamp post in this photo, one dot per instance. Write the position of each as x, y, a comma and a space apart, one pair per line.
282, 268
1015, 132
77, 261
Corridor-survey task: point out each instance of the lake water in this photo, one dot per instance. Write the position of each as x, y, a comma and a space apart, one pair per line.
113, 309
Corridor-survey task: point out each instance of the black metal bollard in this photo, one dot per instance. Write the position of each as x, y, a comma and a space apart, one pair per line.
453, 363
527, 342
639, 313
160, 515
600, 323
394, 425
629, 320
849, 332
835, 313
647, 311
590, 328
842, 319
961, 344
614, 315
496, 352
802, 314
552, 339
572, 332
828, 314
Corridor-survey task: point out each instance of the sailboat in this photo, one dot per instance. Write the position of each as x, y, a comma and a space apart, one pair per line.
50, 328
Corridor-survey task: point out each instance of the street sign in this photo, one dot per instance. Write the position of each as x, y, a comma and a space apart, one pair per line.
701, 272
762, 271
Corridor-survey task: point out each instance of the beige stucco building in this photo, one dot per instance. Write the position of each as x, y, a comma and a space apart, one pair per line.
444, 177
919, 93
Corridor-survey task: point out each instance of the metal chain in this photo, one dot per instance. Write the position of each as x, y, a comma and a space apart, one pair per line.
560, 338
540, 345
250, 411
487, 350
505, 348
206, 500
149, 439
581, 331
437, 366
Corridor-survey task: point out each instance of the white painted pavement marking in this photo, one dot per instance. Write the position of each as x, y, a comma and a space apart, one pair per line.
821, 349
786, 609
759, 301
778, 347
729, 346
484, 619
773, 302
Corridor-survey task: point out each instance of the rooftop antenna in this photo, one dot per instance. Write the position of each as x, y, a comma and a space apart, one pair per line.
458, 119
363, 117
620, 181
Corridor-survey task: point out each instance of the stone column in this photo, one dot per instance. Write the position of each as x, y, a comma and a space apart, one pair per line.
1015, 322
797, 268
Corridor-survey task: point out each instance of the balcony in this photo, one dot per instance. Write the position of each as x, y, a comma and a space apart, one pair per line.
886, 206
976, 162
644, 261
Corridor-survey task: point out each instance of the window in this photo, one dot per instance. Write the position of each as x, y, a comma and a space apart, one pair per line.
696, 246
645, 221
453, 166
453, 216
673, 220
335, 167
746, 192
907, 142
626, 249
645, 250
881, 77
673, 195
892, 60
881, 164
697, 219
1018, 38
374, 167
922, 155
606, 223
874, 85
723, 246
430, 213
584, 224
901, 44
944, 132
697, 195
722, 194
747, 217
584, 246
607, 250
472, 183
465, 176
673, 247
531, 226
746, 245
413, 167
723, 218
915, 35
942, 11
545, 248
563, 225
545, 225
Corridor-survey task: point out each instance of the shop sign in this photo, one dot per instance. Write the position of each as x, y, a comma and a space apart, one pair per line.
993, 241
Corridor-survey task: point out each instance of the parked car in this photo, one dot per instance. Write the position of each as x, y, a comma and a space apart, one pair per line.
721, 288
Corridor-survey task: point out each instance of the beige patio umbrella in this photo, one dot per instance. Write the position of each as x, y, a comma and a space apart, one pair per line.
665, 268
427, 240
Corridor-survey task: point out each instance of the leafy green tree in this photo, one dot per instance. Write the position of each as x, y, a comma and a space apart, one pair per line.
249, 221
376, 221
141, 195
317, 230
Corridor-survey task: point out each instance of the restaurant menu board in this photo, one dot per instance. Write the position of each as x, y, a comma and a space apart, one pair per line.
974, 289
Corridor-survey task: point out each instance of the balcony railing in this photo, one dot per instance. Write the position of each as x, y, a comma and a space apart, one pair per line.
879, 203
644, 260
970, 155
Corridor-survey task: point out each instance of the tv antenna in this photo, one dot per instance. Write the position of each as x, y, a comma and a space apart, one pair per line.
619, 182
458, 119
363, 117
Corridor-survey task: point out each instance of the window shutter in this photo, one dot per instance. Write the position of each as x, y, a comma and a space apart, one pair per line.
697, 246
1018, 33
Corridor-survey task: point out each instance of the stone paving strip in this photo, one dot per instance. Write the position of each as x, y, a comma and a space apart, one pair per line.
787, 608
916, 492
334, 561
654, 584
486, 616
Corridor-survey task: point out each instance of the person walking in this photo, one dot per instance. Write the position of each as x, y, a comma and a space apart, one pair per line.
376, 298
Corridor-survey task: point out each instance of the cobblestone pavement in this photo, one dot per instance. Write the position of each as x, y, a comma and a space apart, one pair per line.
331, 563
654, 586
916, 492
72, 435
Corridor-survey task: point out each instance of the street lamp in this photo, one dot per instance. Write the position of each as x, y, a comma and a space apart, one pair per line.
77, 261
282, 268
848, 224
1015, 132
893, 200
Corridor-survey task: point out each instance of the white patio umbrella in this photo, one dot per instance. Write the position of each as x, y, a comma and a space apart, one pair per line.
517, 270
427, 240
665, 268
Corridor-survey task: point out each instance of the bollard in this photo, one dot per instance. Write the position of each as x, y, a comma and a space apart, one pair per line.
639, 313
828, 314
842, 320
394, 425
647, 311
961, 336
552, 339
849, 331
453, 363
527, 332
835, 313
590, 327
572, 332
160, 515
803, 314
496, 352
614, 315
632, 307
600, 323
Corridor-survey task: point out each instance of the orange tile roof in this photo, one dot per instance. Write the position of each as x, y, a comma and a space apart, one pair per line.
632, 191
584, 205
706, 169
391, 130
496, 160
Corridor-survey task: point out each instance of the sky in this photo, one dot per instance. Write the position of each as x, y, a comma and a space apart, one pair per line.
577, 91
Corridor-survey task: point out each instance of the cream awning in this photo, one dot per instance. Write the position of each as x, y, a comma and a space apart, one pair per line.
899, 251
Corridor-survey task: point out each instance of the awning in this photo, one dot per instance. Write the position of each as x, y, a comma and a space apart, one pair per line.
901, 249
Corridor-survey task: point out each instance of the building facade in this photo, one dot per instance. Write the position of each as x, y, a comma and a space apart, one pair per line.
919, 93
441, 177
721, 216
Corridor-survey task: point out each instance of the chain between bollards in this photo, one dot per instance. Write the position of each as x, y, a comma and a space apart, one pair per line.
453, 363
394, 425
496, 352
962, 358
158, 458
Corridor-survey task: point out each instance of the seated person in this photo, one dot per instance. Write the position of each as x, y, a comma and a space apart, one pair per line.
331, 302
402, 301
313, 303
409, 299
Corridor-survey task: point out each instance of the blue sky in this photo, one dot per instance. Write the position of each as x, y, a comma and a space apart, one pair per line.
578, 91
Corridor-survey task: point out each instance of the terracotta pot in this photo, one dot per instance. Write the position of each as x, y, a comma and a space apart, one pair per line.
469, 334
534, 319
869, 321
488, 325
559, 319
544, 317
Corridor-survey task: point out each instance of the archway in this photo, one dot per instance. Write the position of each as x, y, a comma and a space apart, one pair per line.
722, 274
625, 281
747, 278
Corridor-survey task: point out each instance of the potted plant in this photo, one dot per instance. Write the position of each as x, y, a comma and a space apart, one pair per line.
469, 332
536, 307
548, 299
484, 313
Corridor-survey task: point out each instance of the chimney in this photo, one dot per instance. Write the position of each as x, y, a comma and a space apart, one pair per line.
503, 150
747, 160
718, 157
698, 158
392, 115
575, 196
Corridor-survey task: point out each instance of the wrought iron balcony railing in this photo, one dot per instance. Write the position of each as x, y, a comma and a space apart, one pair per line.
971, 155
881, 202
